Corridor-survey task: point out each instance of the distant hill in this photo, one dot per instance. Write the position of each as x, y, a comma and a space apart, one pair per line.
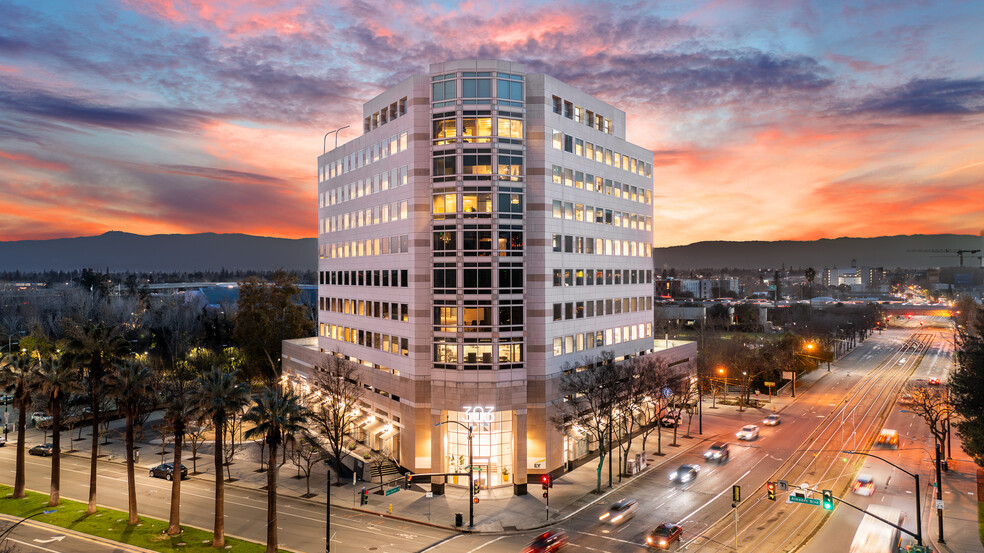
121, 251
883, 251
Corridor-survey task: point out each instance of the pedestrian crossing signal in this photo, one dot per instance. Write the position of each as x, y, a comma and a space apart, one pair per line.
364, 497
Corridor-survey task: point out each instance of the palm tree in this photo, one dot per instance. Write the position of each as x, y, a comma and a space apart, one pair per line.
57, 379
16, 376
132, 384
278, 415
220, 394
180, 412
94, 346
810, 275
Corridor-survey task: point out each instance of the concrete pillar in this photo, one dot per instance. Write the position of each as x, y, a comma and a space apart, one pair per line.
438, 455
519, 452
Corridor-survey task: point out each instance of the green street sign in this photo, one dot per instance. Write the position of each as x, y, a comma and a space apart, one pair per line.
804, 500
392, 490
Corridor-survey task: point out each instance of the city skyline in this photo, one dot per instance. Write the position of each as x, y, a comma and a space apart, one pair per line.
769, 120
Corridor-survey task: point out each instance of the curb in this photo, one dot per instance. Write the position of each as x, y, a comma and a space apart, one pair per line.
77, 534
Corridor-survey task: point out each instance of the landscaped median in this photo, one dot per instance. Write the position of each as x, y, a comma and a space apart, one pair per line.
111, 524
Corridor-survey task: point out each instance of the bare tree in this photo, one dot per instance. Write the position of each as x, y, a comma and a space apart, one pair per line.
334, 404
651, 381
195, 435
229, 445
377, 460
932, 405
589, 391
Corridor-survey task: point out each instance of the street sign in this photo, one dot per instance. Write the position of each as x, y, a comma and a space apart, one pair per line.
429, 495
939, 504
788, 375
804, 500
783, 485
770, 384
392, 490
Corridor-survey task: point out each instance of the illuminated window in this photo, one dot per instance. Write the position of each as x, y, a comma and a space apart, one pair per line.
476, 203
444, 131
476, 127
511, 165
445, 203
476, 164
510, 128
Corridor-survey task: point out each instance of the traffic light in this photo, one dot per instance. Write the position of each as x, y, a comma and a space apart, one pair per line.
364, 497
771, 487
476, 485
545, 494
828, 500
546, 481
406, 483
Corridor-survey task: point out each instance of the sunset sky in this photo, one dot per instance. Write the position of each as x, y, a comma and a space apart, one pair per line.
770, 119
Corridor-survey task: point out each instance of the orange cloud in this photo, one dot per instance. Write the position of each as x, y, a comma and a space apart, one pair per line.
32, 162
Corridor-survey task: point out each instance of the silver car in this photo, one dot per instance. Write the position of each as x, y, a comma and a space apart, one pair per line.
619, 512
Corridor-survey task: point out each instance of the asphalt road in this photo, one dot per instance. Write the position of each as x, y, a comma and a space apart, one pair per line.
34, 538
820, 423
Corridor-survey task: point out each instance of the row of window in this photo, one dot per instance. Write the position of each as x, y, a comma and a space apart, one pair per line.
376, 340
601, 277
593, 183
586, 149
366, 308
601, 246
574, 343
477, 130
386, 213
478, 162
509, 242
474, 353
446, 206
476, 88
590, 214
367, 247
376, 152
393, 277
478, 280
363, 187
600, 308
477, 317
381, 117
581, 115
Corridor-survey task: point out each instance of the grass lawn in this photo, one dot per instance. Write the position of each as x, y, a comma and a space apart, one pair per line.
111, 524
980, 520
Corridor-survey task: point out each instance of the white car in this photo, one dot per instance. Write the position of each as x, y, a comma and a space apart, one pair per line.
620, 512
38, 417
772, 420
748, 432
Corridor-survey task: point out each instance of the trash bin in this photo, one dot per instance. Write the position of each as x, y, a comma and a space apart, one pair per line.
458, 519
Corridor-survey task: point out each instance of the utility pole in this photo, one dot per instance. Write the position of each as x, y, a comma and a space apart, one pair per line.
939, 492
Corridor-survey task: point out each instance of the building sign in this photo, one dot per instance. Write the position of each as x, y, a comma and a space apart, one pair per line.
478, 415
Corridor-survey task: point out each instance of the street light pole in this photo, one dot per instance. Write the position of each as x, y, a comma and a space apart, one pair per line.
471, 473
7, 532
325, 149
917, 491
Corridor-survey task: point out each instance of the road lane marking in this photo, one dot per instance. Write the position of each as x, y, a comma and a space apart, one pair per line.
487, 543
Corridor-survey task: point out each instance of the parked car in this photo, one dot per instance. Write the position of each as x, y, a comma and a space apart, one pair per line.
38, 417
888, 438
905, 399
864, 485
664, 536
934, 381
772, 420
685, 473
547, 542
166, 471
6, 399
42, 450
3, 441
718, 451
620, 512
671, 420
748, 432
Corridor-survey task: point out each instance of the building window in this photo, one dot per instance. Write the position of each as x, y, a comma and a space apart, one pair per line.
510, 128
444, 165
444, 131
476, 88
444, 90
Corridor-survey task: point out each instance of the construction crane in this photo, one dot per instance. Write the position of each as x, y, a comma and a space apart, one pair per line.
960, 253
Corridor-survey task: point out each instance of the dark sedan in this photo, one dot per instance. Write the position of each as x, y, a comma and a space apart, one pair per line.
42, 450
166, 471
684, 474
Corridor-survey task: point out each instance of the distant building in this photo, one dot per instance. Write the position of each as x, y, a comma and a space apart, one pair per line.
858, 278
710, 288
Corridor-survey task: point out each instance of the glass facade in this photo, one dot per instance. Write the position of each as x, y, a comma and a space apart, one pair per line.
492, 442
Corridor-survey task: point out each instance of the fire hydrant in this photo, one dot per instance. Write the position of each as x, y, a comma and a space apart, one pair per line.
391, 508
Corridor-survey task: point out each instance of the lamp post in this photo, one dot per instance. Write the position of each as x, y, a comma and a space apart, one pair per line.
916, 476
6, 532
471, 474
325, 149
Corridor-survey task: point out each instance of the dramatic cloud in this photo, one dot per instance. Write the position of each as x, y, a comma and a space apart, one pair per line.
768, 119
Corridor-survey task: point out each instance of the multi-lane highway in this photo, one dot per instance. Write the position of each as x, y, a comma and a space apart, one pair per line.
843, 410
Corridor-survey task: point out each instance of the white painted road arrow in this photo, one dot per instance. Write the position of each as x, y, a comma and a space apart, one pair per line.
56, 538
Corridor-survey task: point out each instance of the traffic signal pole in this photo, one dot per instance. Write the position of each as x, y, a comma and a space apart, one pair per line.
917, 491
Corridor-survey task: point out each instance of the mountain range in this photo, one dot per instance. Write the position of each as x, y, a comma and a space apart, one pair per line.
121, 251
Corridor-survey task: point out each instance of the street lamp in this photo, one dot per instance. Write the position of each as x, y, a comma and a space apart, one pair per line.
325, 149
6, 532
471, 474
916, 476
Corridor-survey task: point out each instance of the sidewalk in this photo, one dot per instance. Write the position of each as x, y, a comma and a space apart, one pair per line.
962, 486
498, 509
